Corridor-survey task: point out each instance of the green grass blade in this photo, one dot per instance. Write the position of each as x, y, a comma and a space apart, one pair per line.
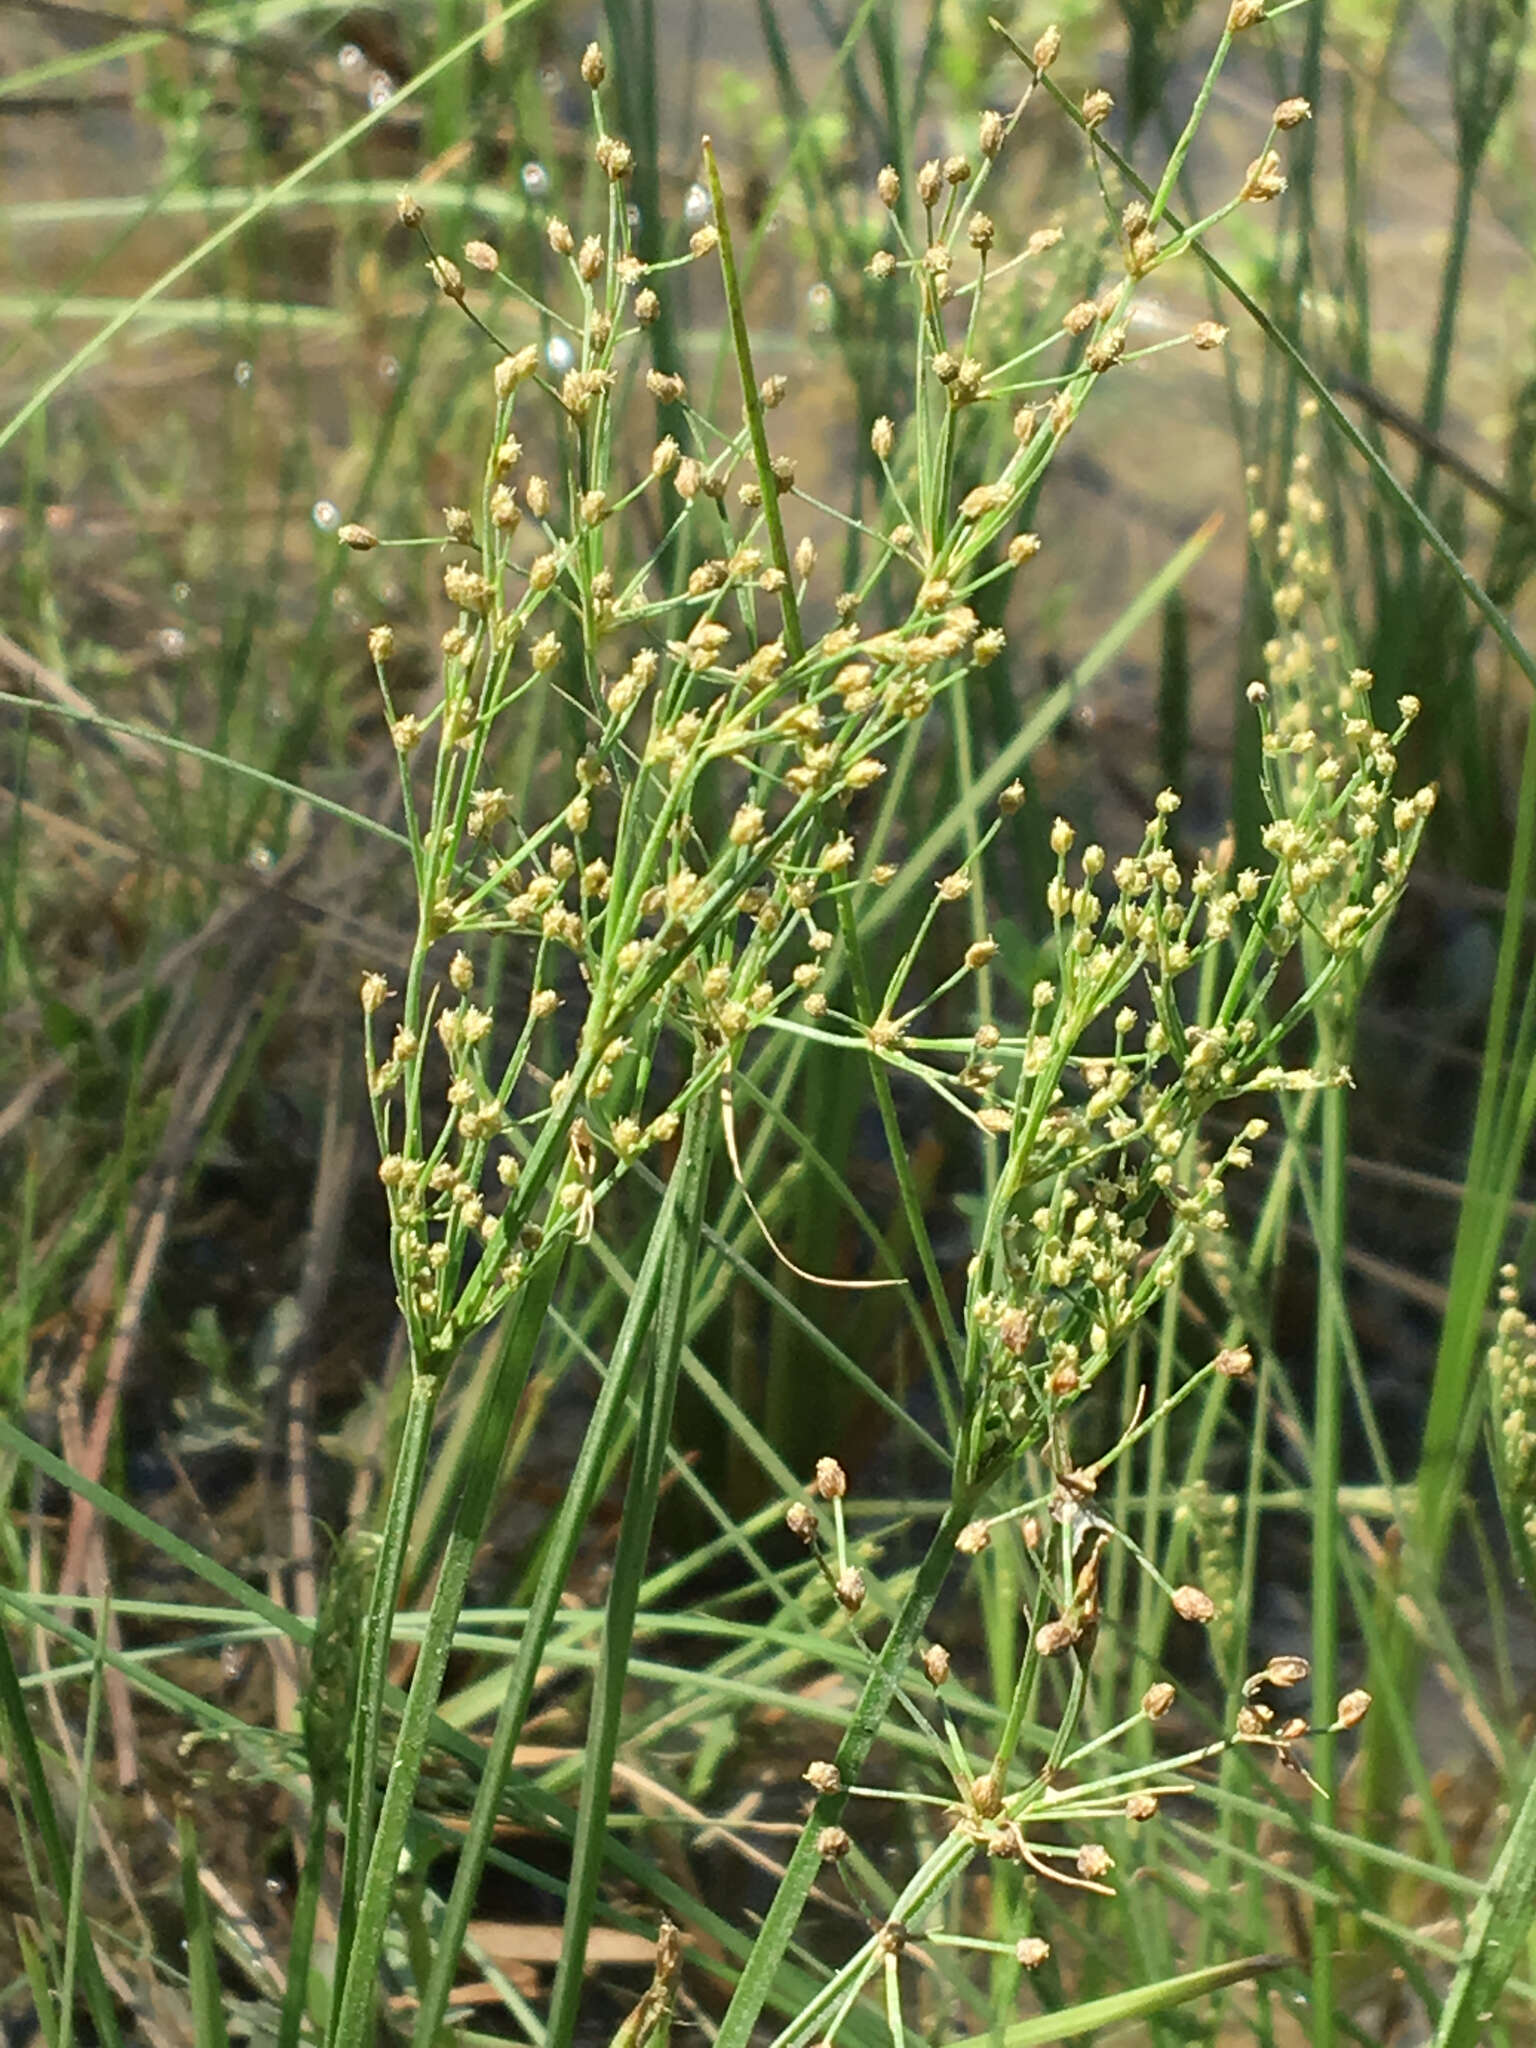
225, 763
45, 1818
202, 1963
1496, 1931
1121, 2008
254, 211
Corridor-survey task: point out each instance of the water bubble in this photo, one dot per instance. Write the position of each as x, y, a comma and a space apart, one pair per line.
697, 206
535, 180
634, 217
559, 354
181, 592
325, 515
262, 859
381, 87
549, 77
243, 374
350, 57
388, 369
171, 641
820, 302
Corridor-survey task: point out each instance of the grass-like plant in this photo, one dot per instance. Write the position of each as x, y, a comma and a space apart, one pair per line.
691, 881
693, 746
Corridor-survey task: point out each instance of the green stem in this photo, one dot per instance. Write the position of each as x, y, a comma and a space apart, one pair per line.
896, 1145
752, 405
1327, 1428
647, 1470
22, 1746
373, 1662
608, 1416
1500, 1923
355, 2010
778, 1929
301, 1941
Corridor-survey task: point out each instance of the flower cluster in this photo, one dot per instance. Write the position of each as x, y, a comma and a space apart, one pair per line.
685, 876
1512, 1376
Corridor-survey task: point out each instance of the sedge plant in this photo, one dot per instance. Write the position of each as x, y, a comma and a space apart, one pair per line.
690, 884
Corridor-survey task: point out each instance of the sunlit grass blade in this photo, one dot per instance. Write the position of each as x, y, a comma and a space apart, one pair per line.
1124, 2008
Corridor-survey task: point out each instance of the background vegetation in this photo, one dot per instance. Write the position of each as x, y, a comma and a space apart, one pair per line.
219, 344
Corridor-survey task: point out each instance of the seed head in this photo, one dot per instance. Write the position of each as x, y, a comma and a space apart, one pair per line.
1191, 1604
800, 1521
1097, 107
831, 1482
1012, 798
448, 278
589, 259
930, 182
374, 992
1055, 1637
515, 369
616, 158
1141, 1806
824, 1779
704, 239
408, 210
888, 185
594, 67
1094, 1860
1243, 14
1283, 1671
647, 306
1234, 1363
882, 437
992, 133
1157, 1700
466, 588
773, 390
481, 255
1208, 334
559, 236
1031, 1952
1047, 48
936, 1663
1353, 1708
957, 169
973, 1539
1264, 179
850, 1589
980, 232
359, 538
1291, 113
833, 1844
381, 642
458, 524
